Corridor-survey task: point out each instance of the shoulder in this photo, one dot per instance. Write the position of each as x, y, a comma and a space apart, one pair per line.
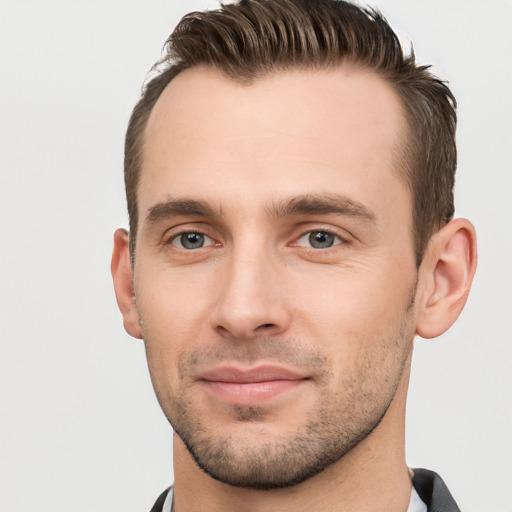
428, 484
159, 503
433, 491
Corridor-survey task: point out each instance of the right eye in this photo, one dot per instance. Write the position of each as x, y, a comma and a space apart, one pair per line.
192, 240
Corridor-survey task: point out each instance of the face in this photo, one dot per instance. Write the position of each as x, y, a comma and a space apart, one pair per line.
274, 273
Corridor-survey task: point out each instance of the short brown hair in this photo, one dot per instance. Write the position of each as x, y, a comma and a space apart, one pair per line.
250, 39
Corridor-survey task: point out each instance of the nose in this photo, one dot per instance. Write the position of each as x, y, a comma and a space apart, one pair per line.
251, 300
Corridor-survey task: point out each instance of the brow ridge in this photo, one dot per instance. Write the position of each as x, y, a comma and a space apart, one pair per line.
180, 206
307, 204
321, 204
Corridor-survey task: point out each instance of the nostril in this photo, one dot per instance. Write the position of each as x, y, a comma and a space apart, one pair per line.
265, 326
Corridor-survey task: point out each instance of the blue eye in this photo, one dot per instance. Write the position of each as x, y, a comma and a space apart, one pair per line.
191, 240
319, 240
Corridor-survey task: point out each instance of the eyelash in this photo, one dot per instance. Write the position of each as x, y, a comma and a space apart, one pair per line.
337, 239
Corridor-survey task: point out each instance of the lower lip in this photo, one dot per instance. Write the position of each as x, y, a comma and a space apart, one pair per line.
251, 393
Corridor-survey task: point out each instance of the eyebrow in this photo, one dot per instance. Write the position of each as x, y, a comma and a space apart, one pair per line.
322, 204
177, 207
309, 204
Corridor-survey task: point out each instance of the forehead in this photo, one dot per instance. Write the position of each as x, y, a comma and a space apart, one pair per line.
336, 130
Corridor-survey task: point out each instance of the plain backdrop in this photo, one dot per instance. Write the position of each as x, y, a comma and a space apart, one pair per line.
80, 429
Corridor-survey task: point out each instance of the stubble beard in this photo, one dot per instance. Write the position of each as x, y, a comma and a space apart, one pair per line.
342, 419
275, 464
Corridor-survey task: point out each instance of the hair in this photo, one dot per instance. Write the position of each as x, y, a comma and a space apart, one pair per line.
251, 39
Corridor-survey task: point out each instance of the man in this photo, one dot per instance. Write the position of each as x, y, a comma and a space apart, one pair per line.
289, 176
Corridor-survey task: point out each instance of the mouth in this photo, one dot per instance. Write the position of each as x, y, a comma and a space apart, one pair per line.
250, 387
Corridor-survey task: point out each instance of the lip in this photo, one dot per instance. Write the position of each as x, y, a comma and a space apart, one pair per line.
252, 386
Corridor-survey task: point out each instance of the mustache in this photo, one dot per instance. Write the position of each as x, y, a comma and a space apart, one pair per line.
264, 350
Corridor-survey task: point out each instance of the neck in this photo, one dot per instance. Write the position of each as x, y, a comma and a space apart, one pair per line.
372, 476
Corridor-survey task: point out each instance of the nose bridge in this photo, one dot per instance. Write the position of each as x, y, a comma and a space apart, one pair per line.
250, 300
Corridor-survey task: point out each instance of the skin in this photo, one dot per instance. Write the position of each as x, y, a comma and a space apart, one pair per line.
249, 173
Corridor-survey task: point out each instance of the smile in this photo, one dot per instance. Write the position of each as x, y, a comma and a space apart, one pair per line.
250, 387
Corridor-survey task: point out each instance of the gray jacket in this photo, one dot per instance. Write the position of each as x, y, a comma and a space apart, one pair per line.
429, 485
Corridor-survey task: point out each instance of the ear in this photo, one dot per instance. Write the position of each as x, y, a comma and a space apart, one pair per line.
447, 273
123, 283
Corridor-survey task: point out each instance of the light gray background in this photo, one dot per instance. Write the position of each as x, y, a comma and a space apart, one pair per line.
80, 429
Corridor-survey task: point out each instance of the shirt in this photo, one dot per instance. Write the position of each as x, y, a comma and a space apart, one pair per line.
415, 503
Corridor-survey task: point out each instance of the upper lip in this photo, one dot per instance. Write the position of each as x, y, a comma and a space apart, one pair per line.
262, 373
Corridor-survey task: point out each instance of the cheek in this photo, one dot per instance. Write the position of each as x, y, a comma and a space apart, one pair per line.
357, 298
172, 321
172, 302
359, 319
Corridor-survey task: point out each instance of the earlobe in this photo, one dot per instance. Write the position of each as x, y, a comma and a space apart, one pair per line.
123, 283
447, 273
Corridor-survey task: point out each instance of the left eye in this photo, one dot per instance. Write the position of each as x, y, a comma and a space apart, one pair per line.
191, 240
319, 240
